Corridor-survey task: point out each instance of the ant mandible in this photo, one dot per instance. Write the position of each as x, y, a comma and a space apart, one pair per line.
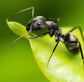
69, 39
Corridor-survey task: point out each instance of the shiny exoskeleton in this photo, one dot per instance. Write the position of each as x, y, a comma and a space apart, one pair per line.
69, 39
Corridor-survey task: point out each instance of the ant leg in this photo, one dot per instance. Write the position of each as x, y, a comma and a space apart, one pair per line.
39, 35
50, 19
52, 53
29, 38
79, 30
21, 11
57, 21
80, 50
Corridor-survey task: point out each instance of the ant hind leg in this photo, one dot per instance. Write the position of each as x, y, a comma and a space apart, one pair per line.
79, 30
80, 50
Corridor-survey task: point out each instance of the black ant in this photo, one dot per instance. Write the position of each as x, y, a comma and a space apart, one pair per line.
69, 39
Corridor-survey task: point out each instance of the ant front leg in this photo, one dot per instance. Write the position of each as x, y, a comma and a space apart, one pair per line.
52, 52
39, 35
80, 49
79, 30
29, 38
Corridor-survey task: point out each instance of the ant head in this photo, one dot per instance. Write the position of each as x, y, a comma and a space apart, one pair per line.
36, 23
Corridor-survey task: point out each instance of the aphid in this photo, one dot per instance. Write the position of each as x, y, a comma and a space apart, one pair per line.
69, 39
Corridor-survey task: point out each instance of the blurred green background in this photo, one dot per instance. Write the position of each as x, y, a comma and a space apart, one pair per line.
17, 64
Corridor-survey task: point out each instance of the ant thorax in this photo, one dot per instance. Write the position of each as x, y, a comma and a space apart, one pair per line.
53, 28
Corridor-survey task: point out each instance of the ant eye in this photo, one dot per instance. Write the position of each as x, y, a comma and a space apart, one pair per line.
38, 23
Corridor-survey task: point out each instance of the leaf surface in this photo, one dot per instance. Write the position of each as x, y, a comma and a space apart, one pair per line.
63, 66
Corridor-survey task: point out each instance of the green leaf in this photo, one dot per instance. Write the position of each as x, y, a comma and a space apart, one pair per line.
63, 66
17, 28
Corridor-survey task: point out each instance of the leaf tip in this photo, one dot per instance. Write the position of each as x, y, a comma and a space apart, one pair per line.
6, 20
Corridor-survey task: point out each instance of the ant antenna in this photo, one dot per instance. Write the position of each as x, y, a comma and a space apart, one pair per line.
21, 37
24, 10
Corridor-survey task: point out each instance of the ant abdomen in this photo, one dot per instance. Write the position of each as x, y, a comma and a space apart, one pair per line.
71, 42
